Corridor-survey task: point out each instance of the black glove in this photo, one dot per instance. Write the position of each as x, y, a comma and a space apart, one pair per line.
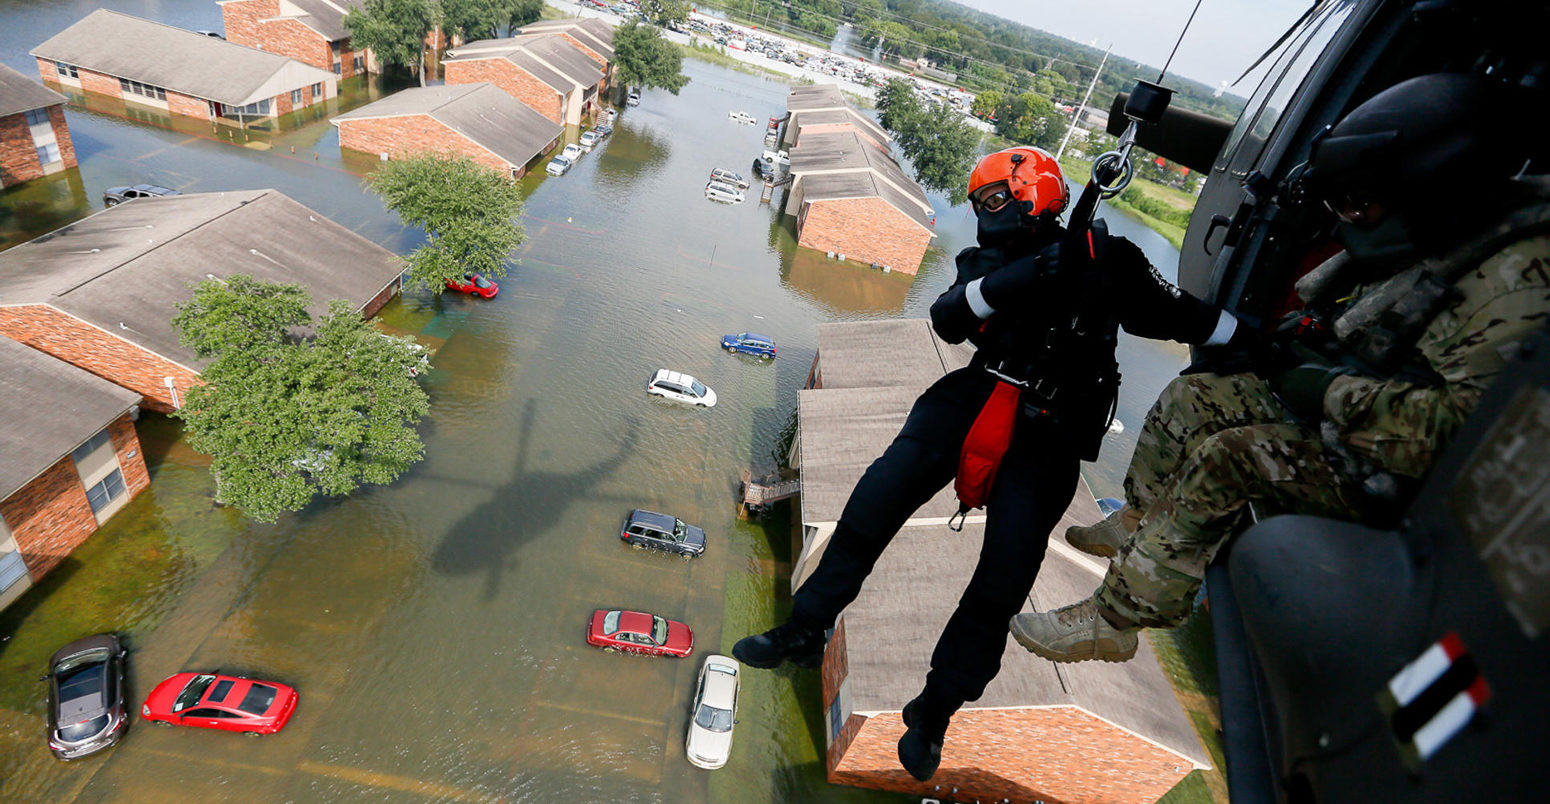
1249, 349
1018, 282
1302, 388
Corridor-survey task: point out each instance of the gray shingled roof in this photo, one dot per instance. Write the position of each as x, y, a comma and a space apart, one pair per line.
324, 16
567, 67
871, 371
863, 184
826, 97
51, 407
18, 93
125, 269
845, 150
871, 374
173, 58
481, 112
592, 31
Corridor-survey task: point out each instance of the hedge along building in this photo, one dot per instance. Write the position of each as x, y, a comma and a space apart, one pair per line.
850, 197
477, 121
179, 71
309, 31
547, 73
1088, 732
34, 140
100, 293
71, 460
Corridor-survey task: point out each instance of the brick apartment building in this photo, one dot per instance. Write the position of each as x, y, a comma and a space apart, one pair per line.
100, 293
549, 74
852, 198
1089, 732
179, 71
34, 140
309, 31
71, 461
590, 35
478, 121
820, 109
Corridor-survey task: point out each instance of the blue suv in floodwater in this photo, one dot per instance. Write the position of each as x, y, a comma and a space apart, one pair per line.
750, 343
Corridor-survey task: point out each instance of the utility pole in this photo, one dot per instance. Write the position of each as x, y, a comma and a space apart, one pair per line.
1083, 107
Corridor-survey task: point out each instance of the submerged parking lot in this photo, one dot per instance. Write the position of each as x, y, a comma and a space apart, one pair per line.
434, 628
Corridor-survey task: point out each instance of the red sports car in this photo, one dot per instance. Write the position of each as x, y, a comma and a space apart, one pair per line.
220, 702
639, 632
475, 285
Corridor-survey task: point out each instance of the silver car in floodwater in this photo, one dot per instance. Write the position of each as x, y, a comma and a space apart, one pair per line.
85, 696
715, 713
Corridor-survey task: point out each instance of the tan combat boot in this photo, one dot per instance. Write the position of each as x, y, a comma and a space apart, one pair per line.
1074, 633
1104, 538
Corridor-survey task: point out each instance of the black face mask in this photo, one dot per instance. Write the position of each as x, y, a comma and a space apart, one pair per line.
1002, 228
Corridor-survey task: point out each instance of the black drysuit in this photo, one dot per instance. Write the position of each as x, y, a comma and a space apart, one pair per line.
1060, 423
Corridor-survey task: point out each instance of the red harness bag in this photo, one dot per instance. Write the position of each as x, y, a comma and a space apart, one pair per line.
984, 447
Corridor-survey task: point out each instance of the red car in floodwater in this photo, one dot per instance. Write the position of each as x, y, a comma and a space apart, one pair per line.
229, 703
639, 632
474, 285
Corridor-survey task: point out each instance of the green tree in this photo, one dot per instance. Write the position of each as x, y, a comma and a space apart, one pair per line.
939, 143
662, 12
986, 103
1031, 119
285, 417
394, 30
472, 20
468, 213
643, 58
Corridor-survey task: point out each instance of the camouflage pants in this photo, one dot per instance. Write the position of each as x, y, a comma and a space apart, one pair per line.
1211, 446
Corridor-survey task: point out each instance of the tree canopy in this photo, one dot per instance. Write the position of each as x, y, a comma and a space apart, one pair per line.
469, 214
394, 30
1031, 119
662, 12
486, 19
643, 58
939, 143
285, 417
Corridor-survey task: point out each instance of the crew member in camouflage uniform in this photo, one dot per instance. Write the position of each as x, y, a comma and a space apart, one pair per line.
1346, 432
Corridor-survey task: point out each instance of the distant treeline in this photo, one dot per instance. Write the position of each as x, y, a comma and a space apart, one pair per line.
986, 52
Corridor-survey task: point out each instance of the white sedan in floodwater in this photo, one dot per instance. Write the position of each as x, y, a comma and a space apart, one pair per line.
715, 712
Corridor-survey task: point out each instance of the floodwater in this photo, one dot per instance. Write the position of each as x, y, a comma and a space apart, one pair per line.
434, 627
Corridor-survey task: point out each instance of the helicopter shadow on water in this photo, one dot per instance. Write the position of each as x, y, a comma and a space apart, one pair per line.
487, 538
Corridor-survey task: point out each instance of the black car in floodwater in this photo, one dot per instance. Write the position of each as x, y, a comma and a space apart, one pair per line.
86, 696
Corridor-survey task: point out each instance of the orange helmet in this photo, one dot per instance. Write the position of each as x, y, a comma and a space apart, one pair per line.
1031, 174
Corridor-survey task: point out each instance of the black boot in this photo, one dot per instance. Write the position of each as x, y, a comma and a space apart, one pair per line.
925, 721
801, 645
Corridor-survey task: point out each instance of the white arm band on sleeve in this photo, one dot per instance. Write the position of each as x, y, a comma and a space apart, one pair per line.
977, 303
1226, 325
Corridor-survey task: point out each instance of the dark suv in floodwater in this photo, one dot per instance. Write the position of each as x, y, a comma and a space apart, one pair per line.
662, 532
85, 696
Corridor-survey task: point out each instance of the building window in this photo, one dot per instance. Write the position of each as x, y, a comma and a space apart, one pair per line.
259, 108
67, 70
295, 97
317, 90
360, 64
835, 719
105, 491
143, 90
37, 117
338, 68
92, 444
48, 154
